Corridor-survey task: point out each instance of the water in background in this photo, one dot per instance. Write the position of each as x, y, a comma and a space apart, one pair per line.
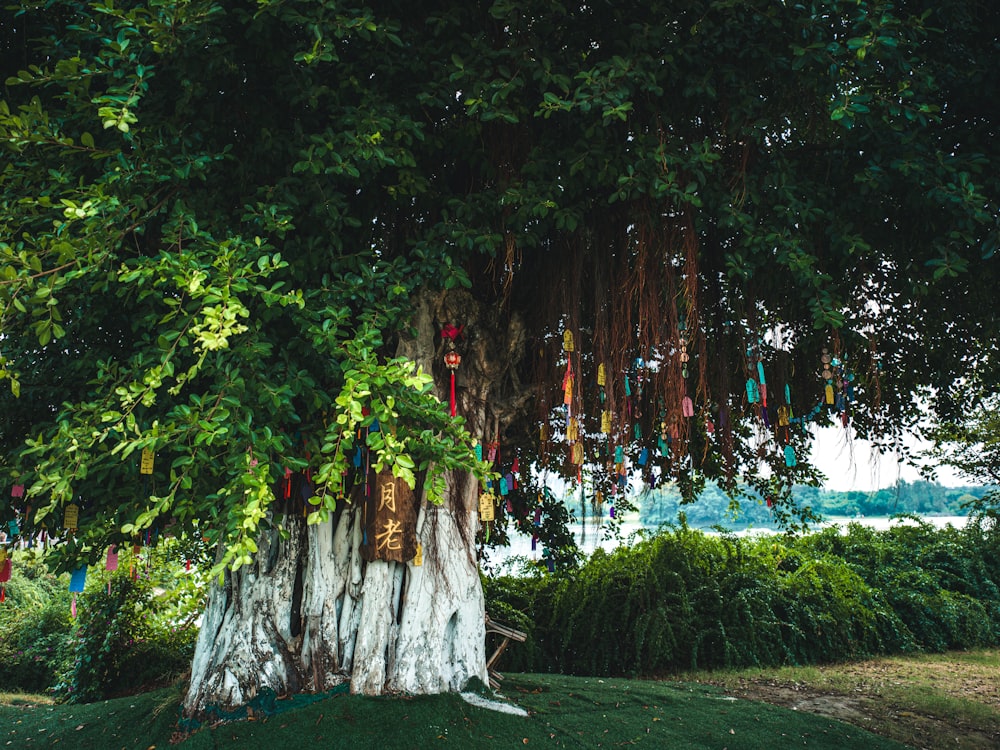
590, 535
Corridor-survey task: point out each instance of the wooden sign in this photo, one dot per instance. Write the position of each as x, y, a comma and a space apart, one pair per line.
390, 520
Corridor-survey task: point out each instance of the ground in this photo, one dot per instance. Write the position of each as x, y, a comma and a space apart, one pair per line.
926, 702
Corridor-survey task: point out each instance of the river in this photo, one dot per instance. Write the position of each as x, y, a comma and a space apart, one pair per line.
591, 535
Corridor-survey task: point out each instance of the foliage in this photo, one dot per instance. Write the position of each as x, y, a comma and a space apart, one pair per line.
177, 279
966, 439
685, 599
714, 507
110, 623
35, 630
135, 627
214, 219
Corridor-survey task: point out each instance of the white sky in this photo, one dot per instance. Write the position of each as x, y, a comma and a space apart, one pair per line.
850, 464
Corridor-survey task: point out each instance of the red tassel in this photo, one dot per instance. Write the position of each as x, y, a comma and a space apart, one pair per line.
451, 401
3, 594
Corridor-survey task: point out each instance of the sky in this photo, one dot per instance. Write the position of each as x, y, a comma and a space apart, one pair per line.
850, 464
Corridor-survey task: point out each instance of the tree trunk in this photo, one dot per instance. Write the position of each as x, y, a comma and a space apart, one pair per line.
310, 613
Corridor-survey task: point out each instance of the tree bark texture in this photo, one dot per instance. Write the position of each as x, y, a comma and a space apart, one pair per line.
311, 613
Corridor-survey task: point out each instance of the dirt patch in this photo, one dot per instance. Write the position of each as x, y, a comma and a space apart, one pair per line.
925, 704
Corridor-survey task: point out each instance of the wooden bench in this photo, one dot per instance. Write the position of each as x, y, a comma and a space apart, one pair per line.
508, 634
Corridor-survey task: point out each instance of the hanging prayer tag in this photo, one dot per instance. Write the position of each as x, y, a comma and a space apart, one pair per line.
829, 394
790, 456
418, 559
17, 490
111, 562
78, 579
578, 454
486, 512
602, 378
567, 341
573, 430
503, 486
605, 422
71, 517
13, 527
753, 394
687, 407
568, 391
146, 462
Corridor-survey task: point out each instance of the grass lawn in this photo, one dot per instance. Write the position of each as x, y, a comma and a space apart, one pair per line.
563, 712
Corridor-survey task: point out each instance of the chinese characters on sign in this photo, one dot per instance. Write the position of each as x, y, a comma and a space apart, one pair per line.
390, 520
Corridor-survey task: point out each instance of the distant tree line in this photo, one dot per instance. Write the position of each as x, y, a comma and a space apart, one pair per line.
714, 507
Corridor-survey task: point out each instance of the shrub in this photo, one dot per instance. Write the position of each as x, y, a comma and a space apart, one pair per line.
35, 630
684, 599
131, 633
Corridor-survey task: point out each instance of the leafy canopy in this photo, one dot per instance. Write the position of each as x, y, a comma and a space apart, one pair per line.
214, 219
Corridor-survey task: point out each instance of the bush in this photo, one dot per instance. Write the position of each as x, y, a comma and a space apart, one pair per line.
128, 637
684, 599
35, 630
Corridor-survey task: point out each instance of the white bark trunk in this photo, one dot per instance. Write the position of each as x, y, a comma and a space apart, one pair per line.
383, 626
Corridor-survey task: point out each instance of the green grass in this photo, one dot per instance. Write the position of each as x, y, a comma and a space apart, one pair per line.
565, 712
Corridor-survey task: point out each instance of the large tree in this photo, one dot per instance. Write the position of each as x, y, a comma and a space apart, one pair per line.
238, 241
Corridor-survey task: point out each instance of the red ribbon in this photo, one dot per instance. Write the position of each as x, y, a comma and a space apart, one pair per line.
451, 399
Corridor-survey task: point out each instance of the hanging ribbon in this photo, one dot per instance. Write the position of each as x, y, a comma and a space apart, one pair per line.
452, 403
111, 563
568, 383
77, 581
6, 565
452, 359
